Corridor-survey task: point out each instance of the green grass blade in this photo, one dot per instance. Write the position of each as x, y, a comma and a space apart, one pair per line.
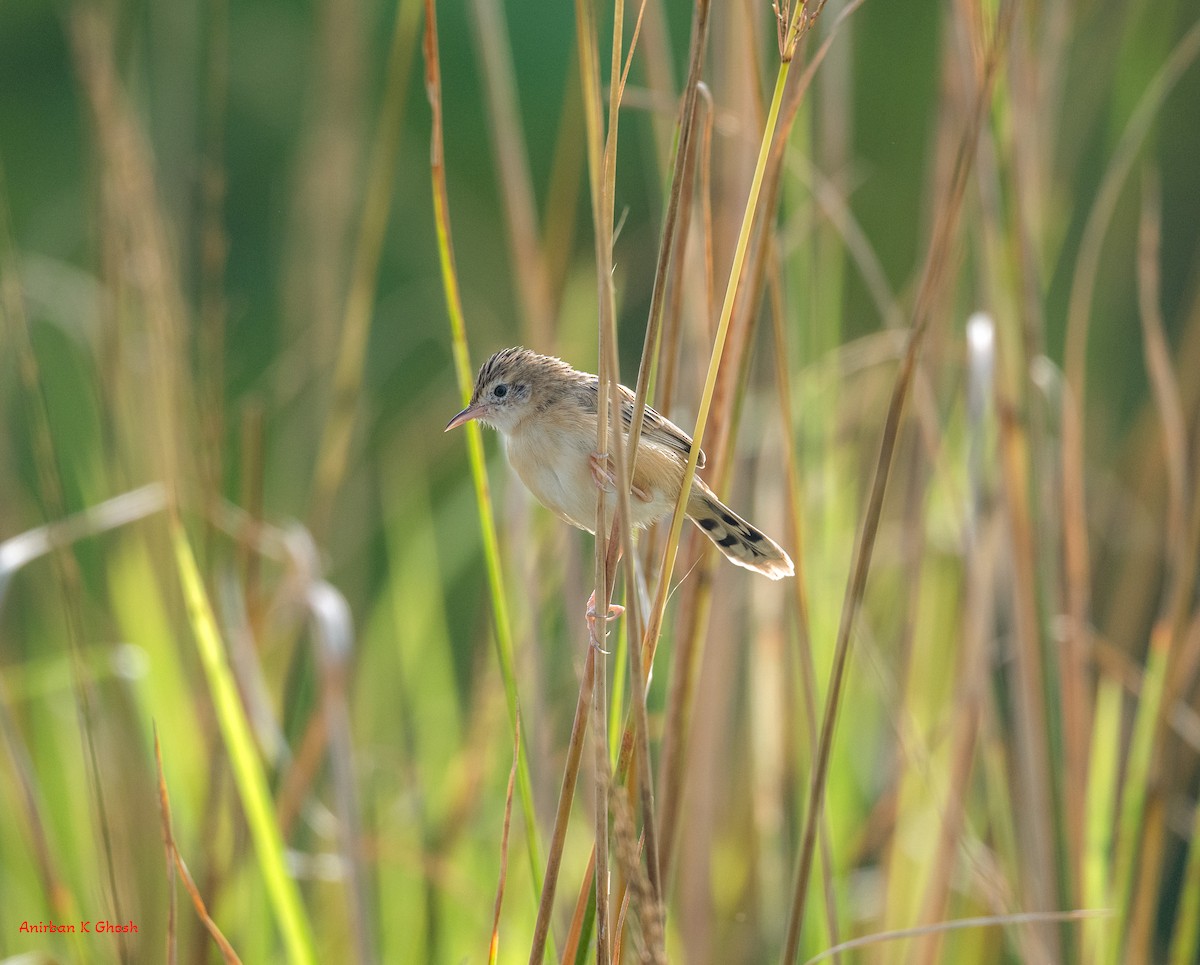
483, 496
248, 773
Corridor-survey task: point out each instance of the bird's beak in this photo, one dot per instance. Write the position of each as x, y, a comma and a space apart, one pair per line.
467, 414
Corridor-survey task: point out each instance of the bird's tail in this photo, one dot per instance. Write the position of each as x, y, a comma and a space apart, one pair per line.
742, 543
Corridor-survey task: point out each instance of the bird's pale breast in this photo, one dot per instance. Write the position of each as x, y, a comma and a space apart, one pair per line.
552, 459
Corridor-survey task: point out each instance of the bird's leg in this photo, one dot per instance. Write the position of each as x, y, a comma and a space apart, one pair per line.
606, 479
614, 610
602, 472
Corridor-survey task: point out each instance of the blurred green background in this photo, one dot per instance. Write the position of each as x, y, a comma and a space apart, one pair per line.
185, 188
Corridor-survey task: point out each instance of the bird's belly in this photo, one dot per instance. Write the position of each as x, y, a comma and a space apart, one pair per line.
567, 490
558, 473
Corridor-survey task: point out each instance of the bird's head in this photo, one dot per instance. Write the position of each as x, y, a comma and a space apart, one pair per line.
509, 386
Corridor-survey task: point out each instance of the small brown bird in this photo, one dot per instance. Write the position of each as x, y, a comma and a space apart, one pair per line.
546, 412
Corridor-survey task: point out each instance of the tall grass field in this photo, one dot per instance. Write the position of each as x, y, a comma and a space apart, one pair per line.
288, 674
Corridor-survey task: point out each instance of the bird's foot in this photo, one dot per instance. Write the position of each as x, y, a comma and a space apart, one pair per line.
606, 479
614, 611
602, 471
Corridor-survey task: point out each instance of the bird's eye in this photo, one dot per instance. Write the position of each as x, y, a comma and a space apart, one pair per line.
500, 391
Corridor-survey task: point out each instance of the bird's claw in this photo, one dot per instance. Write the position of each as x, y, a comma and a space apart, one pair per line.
614, 611
602, 472
606, 479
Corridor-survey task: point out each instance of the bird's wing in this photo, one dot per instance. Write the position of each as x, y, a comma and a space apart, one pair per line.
656, 428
